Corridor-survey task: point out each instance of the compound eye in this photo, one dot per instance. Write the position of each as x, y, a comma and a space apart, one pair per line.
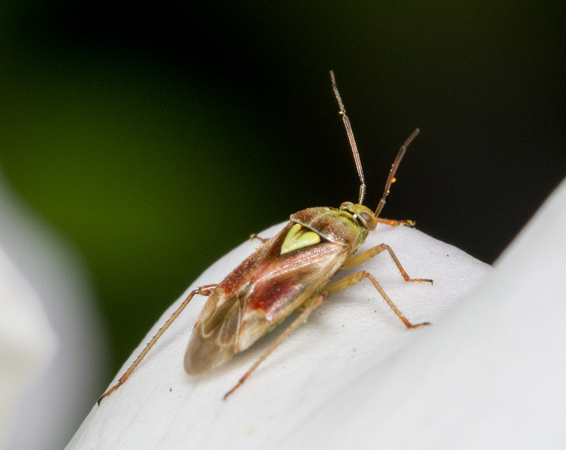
345, 205
368, 220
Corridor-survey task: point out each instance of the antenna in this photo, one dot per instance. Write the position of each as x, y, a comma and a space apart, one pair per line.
394, 167
353, 145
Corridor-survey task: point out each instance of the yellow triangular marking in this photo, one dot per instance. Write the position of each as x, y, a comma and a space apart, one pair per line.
299, 237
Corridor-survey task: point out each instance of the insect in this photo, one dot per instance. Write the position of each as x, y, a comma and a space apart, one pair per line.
289, 272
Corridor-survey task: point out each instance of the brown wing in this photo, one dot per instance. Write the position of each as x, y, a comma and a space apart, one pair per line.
285, 284
213, 340
258, 294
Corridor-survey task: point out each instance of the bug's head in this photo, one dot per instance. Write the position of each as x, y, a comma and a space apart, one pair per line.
361, 213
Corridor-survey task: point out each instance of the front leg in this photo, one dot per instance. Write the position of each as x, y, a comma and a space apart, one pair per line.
255, 236
396, 223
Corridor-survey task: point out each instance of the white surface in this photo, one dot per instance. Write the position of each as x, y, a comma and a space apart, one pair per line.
27, 342
43, 291
491, 373
317, 387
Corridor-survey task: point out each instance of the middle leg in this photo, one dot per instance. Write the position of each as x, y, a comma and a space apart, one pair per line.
355, 278
374, 251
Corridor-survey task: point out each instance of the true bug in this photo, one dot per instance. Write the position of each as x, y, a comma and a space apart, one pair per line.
289, 272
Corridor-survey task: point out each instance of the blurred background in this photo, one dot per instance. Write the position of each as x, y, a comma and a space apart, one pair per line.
157, 136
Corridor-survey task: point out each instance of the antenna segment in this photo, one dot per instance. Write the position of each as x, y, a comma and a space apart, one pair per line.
350, 134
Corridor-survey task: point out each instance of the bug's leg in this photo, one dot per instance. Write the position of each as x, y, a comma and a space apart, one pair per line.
374, 251
314, 303
355, 278
203, 290
396, 223
255, 236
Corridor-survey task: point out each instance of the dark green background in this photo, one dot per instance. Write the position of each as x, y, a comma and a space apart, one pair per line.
159, 136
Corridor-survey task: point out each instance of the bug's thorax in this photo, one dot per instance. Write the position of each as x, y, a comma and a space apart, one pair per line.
348, 225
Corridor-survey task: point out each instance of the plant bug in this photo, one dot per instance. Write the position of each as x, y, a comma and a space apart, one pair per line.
289, 272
